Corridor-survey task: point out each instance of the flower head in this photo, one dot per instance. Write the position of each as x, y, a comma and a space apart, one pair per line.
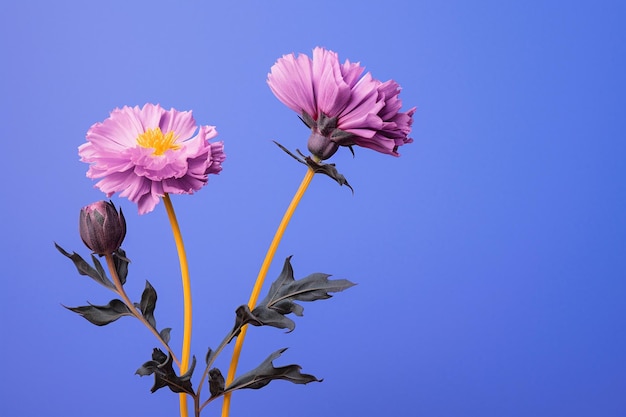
339, 105
101, 227
143, 153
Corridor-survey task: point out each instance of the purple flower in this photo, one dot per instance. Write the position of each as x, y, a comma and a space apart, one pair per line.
101, 227
143, 153
341, 107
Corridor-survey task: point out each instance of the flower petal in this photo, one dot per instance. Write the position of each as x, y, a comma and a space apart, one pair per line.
291, 81
340, 104
144, 174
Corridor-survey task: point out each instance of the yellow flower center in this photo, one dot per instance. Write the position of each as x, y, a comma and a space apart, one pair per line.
155, 139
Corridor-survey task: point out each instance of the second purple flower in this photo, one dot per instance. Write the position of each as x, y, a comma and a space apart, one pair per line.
342, 107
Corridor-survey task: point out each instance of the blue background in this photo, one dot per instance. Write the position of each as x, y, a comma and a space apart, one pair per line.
490, 256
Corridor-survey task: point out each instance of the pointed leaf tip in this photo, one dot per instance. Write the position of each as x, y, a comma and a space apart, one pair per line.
165, 334
283, 293
148, 304
121, 264
319, 167
266, 373
329, 170
102, 315
97, 274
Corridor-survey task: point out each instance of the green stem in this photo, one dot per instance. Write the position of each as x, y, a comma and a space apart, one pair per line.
184, 271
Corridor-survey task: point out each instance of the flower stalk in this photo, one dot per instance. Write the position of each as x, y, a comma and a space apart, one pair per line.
187, 316
269, 256
147, 153
119, 289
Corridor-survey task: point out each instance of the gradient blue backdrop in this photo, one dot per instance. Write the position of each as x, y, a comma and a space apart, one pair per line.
490, 256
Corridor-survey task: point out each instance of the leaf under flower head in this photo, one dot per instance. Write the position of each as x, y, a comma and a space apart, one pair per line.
319, 167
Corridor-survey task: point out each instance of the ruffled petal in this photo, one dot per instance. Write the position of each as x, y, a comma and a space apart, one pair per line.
331, 91
181, 123
291, 81
365, 110
140, 173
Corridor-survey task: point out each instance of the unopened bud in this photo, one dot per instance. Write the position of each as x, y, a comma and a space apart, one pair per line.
102, 228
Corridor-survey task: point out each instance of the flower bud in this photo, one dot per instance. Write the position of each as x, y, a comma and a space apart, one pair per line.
101, 227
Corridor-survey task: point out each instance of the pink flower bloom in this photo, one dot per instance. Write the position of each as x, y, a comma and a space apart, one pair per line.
341, 107
143, 153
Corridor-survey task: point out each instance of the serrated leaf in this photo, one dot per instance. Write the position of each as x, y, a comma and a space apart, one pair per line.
121, 264
282, 295
164, 375
148, 304
85, 269
266, 373
103, 315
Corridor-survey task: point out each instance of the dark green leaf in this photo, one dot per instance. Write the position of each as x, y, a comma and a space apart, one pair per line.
282, 295
85, 269
209, 356
102, 315
328, 170
98, 265
243, 316
165, 334
121, 264
261, 316
216, 382
266, 372
148, 304
319, 167
164, 375
288, 152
